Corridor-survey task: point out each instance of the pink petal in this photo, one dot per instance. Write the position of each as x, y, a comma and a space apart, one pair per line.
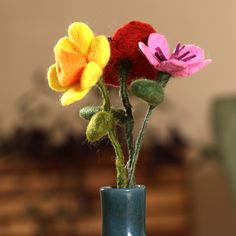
171, 66
193, 50
157, 40
192, 69
148, 54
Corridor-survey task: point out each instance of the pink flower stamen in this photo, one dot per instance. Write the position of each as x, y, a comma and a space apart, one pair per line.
160, 55
178, 49
189, 58
183, 55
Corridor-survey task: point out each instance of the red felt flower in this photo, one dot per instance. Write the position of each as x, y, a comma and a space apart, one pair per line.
124, 47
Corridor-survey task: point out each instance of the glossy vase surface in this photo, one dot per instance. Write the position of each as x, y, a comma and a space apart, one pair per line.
123, 211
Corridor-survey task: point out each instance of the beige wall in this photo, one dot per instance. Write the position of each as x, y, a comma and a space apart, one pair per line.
30, 28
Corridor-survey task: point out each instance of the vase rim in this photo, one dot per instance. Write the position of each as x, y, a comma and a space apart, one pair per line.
136, 187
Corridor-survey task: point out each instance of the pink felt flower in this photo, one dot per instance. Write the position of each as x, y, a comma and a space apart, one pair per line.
184, 61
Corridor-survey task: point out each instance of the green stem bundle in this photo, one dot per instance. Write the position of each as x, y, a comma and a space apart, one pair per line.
162, 79
133, 150
120, 161
129, 124
138, 146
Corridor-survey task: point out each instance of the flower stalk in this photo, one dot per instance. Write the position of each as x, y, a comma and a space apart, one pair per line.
129, 124
105, 95
121, 177
162, 79
120, 161
138, 145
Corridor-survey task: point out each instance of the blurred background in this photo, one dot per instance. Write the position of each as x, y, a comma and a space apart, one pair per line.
50, 175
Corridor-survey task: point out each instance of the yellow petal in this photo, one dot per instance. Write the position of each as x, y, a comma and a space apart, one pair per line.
90, 76
64, 44
53, 79
73, 94
81, 35
99, 51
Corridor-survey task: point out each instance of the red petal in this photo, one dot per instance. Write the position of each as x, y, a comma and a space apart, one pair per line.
128, 36
124, 46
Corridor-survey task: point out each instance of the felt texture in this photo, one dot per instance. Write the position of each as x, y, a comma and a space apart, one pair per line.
96, 50
91, 75
73, 94
70, 67
87, 112
124, 47
148, 90
100, 125
81, 35
80, 59
53, 80
184, 61
118, 114
64, 44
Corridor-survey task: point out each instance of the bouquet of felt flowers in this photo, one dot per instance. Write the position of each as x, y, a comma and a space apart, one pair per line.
137, 60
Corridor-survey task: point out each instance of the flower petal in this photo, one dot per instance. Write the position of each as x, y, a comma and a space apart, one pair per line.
128, 36
148, 54
81, 35
90, 76
99, 51
171, 66
73, 94
53, 79
192, 50
191, 69
64, 44
69, 67
156, 40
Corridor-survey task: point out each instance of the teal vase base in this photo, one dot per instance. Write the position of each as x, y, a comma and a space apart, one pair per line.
123, 211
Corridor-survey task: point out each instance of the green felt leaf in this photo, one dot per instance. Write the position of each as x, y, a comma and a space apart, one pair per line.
87, 112
148, 90
118, 114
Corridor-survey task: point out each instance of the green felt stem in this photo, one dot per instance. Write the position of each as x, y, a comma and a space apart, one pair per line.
121, 178
138, 146
120, 162
163, 79
129, 124
105, 95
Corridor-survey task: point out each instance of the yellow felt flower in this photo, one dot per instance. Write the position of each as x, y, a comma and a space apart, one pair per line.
80, 59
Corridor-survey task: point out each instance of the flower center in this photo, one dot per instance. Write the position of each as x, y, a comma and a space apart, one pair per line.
186, 56
160, 55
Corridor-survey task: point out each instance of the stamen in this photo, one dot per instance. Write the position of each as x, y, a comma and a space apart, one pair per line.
189, 58
183, 55
181, 48
158, 56
161, 54
177, 49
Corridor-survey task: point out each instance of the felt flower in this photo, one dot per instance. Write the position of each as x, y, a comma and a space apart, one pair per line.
124, 47
184, 61
80, 59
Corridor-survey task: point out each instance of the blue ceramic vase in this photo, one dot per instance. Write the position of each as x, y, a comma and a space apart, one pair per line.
123, 211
